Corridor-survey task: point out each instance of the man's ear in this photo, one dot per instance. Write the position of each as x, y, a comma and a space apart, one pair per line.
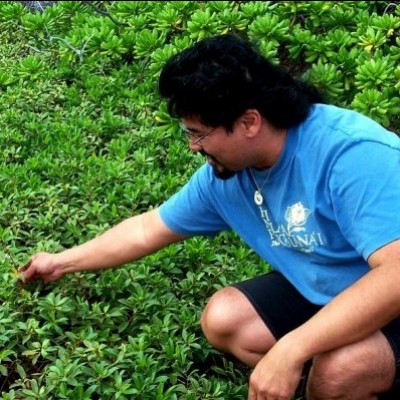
251, 121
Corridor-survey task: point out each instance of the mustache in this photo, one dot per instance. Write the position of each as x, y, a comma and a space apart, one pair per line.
224, 174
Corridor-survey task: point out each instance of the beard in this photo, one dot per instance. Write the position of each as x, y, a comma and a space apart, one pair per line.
219, 170
223, 173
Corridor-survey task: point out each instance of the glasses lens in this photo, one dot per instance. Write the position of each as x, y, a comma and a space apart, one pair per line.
195, 137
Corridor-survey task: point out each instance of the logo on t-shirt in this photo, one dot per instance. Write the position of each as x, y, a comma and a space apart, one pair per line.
296, 216
294, 234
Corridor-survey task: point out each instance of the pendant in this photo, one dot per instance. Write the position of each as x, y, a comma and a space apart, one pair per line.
258, 199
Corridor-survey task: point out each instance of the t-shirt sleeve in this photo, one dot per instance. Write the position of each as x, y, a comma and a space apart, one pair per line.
365, 191
192, 210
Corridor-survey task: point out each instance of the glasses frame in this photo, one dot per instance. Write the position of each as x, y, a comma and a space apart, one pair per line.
195, 137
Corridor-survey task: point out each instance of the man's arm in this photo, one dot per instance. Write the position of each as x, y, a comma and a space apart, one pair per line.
130, 240
356, 313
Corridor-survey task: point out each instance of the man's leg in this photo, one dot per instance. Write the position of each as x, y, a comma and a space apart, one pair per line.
247, 320
231, 324
359, 371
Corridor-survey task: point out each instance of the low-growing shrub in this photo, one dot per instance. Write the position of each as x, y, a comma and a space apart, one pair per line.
85, 142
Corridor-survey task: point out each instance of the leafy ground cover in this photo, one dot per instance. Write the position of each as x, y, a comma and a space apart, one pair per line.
85, 142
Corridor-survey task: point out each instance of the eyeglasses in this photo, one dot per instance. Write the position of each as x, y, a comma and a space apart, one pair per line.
193, 136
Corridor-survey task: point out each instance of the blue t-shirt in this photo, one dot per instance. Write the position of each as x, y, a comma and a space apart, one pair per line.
330, 201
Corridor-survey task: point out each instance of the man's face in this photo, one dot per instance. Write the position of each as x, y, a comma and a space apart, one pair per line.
214, 143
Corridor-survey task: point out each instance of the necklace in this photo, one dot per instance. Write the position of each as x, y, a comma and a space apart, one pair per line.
258, 197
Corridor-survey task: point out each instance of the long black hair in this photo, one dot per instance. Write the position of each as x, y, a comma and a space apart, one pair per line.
217, 79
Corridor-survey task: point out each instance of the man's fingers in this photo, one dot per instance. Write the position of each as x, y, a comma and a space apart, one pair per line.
26, 266
252, 394
26, 271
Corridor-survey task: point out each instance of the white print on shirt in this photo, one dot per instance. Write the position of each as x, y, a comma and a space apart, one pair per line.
295, 234
296, 216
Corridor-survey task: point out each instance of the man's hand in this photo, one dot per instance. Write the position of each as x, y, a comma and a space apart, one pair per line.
42, 266
277, 374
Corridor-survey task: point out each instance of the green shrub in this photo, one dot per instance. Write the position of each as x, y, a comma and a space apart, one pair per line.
85, 142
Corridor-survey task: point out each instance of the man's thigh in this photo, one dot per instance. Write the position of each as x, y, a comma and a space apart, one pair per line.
281, 308
359, 370
392, 335
278, 303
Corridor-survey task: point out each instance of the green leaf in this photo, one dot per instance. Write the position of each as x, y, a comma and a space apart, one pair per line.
21, 371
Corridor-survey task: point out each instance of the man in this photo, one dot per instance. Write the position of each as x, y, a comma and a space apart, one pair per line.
314, 190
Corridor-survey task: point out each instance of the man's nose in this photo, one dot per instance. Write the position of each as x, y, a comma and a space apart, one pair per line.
195, 147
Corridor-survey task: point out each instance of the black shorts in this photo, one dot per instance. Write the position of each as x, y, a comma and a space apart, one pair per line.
283, 309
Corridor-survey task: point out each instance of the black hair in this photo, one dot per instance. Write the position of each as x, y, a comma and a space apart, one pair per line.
217, 79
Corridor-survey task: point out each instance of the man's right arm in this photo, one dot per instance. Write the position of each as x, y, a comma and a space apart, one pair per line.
130, 240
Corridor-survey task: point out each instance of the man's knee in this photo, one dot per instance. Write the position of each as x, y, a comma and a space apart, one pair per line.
219, 320
357, 371
329, 376
231, 324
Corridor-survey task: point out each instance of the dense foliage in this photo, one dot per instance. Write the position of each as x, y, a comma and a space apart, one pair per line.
85, 142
